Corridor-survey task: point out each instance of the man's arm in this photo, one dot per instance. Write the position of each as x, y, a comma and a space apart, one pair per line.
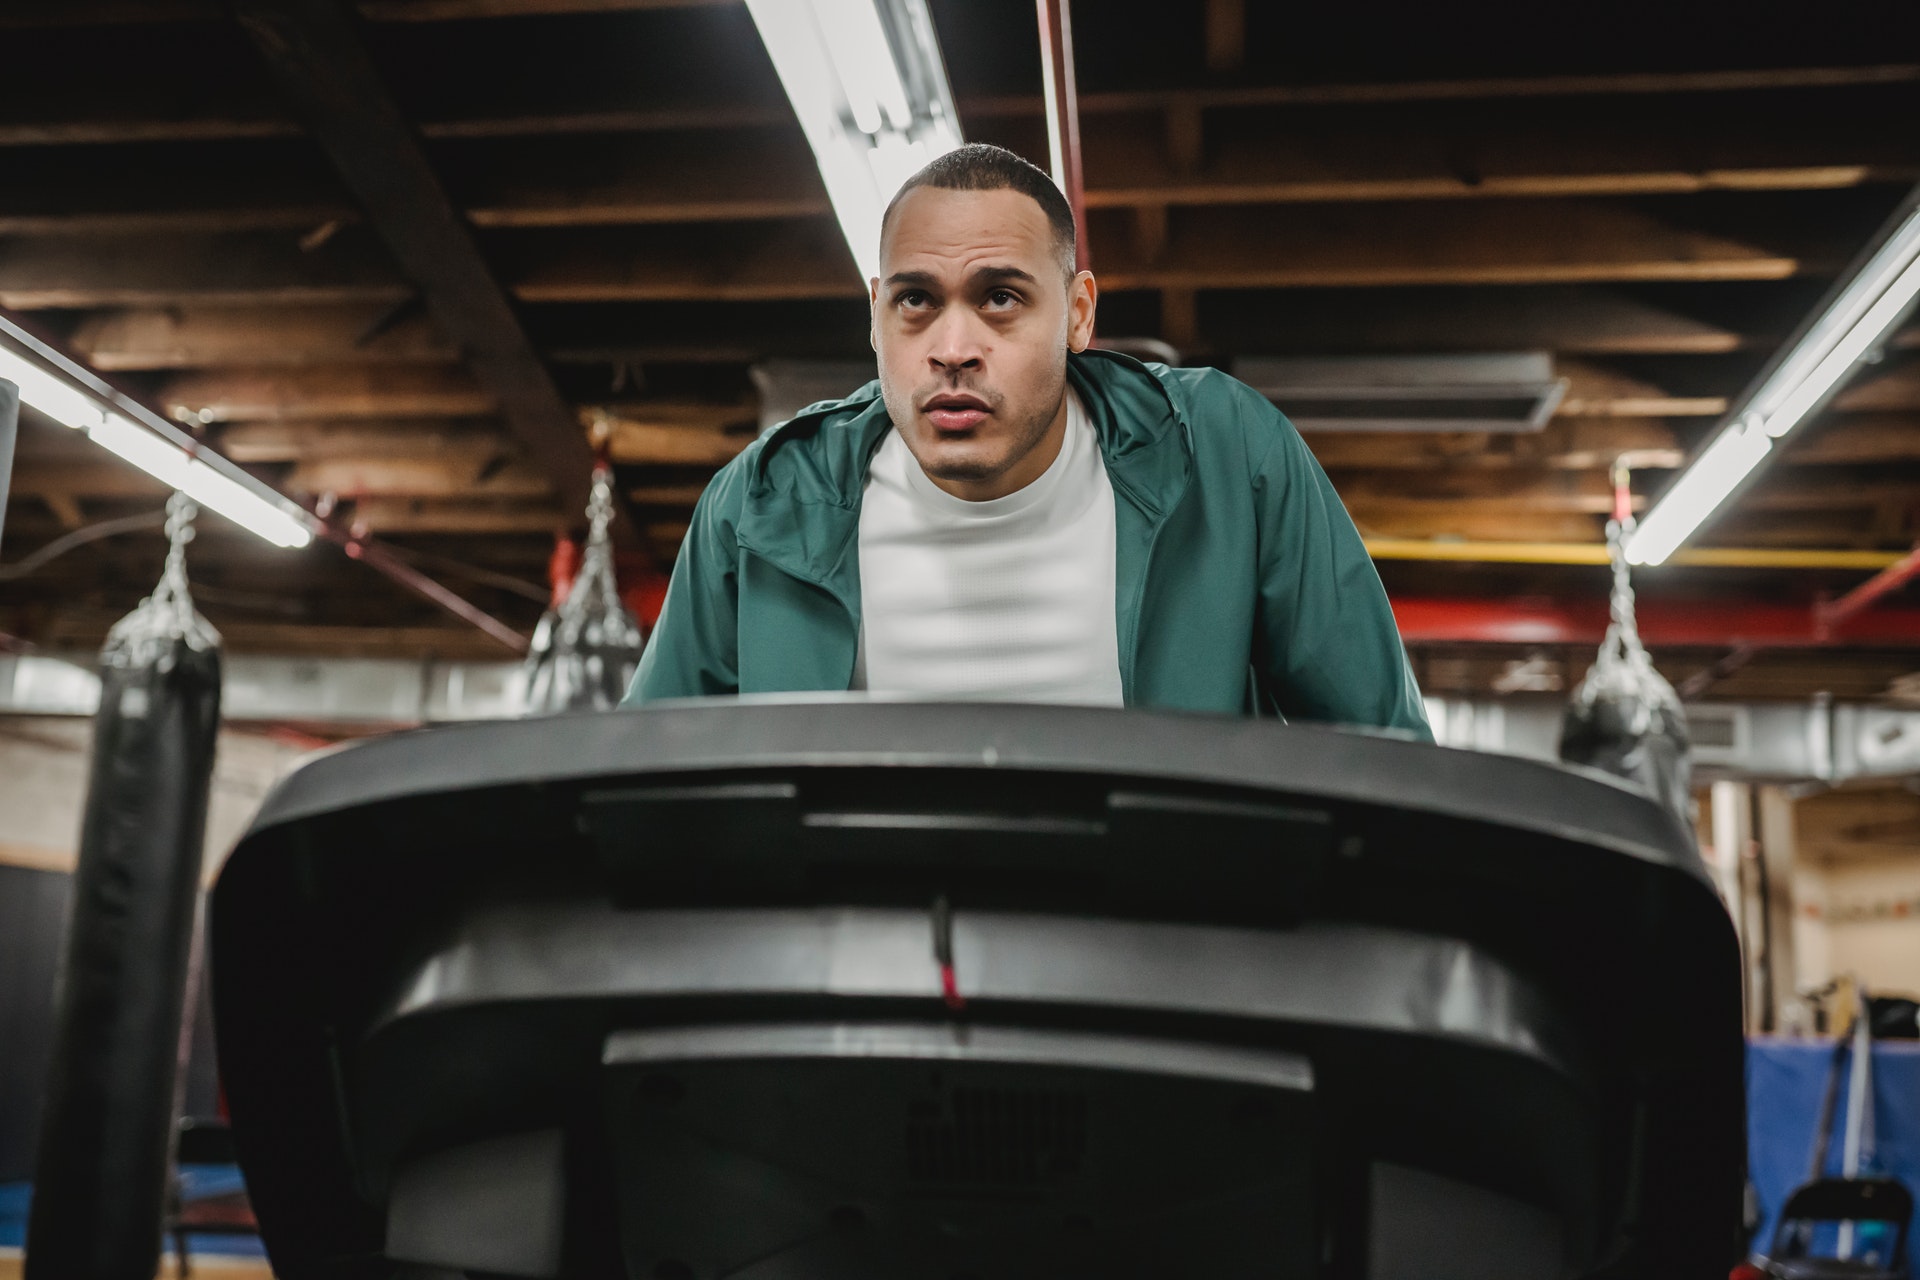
694, 648
1327, 646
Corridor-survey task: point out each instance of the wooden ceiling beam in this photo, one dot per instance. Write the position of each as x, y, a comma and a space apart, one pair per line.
139, 190
245, 268
1493, 242
1568, 319
221, 337
767, 173
1564, 444
99, 114
402, 516
314, 53
1189, 104
414, 478
1891, 386
469, 441
1303, 246
329, 392
1856, 438
1604, 84
473, 10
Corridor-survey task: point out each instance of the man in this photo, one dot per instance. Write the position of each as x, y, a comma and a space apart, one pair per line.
1009, 515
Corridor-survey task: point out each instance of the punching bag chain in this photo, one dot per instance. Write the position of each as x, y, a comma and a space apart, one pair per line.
172, 593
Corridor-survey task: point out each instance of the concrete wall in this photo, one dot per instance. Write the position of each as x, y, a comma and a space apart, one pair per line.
43, 787
1869, 917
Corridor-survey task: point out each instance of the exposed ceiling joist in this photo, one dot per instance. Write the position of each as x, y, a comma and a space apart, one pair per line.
1493, 242
327, 392
221, 337
38, 272
315, 55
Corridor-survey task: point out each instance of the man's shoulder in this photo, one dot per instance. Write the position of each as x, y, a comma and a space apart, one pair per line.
808, 450
1225, 416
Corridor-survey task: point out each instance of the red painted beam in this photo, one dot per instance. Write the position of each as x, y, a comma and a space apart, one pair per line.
1688, 623
1890, 579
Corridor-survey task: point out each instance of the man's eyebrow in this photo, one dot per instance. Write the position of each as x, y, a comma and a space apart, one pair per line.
997, 275
984, 275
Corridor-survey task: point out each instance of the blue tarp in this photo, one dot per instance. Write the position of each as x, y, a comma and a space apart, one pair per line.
1785, 1081
196, 1181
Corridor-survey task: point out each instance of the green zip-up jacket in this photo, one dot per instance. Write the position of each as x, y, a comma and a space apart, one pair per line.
1240, 583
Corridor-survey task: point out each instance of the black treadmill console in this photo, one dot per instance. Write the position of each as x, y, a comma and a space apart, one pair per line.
819, 991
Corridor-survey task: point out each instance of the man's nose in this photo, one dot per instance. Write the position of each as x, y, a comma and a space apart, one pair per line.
956, 340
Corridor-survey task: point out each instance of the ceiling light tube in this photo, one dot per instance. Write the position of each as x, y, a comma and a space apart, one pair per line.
870, 91
74, 396
1716, 473
1856, 316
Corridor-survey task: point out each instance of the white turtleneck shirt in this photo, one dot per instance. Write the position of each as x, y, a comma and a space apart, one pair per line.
1007, 600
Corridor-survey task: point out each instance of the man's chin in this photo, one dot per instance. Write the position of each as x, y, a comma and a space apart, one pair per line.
959, 462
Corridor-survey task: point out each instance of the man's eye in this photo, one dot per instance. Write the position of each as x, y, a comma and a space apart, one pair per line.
1003, 298
913, 298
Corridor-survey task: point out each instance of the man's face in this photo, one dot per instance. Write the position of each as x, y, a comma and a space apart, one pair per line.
973, 316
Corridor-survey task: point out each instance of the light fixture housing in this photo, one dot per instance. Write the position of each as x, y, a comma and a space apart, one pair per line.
74, 396
1869, 301
869, 88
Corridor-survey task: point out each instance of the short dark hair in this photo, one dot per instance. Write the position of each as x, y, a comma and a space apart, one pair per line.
981, 166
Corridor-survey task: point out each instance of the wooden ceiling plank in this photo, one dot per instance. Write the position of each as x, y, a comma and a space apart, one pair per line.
314, 53
413, 478
470, 441
1133, 163
329, 392
221, 337
1494, 242
387, 516
247, 268
474, 10
89, 120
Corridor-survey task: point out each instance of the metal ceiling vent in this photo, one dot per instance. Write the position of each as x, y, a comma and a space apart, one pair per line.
1516, 392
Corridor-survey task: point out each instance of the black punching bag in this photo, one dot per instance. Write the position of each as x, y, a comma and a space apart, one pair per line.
107, 1127
584, 652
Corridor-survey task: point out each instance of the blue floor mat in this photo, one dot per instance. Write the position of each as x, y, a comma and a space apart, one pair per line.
196, 1181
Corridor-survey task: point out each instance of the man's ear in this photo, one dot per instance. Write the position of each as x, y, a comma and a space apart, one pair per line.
1083, 295
873, 303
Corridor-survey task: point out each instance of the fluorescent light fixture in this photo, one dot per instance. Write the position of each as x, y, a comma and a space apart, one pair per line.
1858, 313
1734, 453
70, 395
867, 84
65, 403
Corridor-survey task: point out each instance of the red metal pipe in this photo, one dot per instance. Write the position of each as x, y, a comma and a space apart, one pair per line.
1063, 126
1681, 623
378, 557
1829, 616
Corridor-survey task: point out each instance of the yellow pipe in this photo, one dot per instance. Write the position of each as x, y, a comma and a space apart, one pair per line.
1596, 553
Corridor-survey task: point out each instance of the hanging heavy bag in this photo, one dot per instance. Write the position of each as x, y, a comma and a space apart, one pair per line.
585, 652
1625, 718
108, 1120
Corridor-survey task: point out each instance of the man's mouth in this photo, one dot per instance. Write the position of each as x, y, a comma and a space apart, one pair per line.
956, 413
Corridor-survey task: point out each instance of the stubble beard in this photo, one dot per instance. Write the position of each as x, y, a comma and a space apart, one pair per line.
1026, 439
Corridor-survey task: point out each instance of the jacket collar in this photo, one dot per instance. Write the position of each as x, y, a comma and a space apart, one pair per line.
805, 482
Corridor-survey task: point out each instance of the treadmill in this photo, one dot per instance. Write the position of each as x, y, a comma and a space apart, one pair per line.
816, 989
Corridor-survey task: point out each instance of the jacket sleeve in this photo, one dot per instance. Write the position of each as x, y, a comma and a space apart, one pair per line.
1326, 646
694, 649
